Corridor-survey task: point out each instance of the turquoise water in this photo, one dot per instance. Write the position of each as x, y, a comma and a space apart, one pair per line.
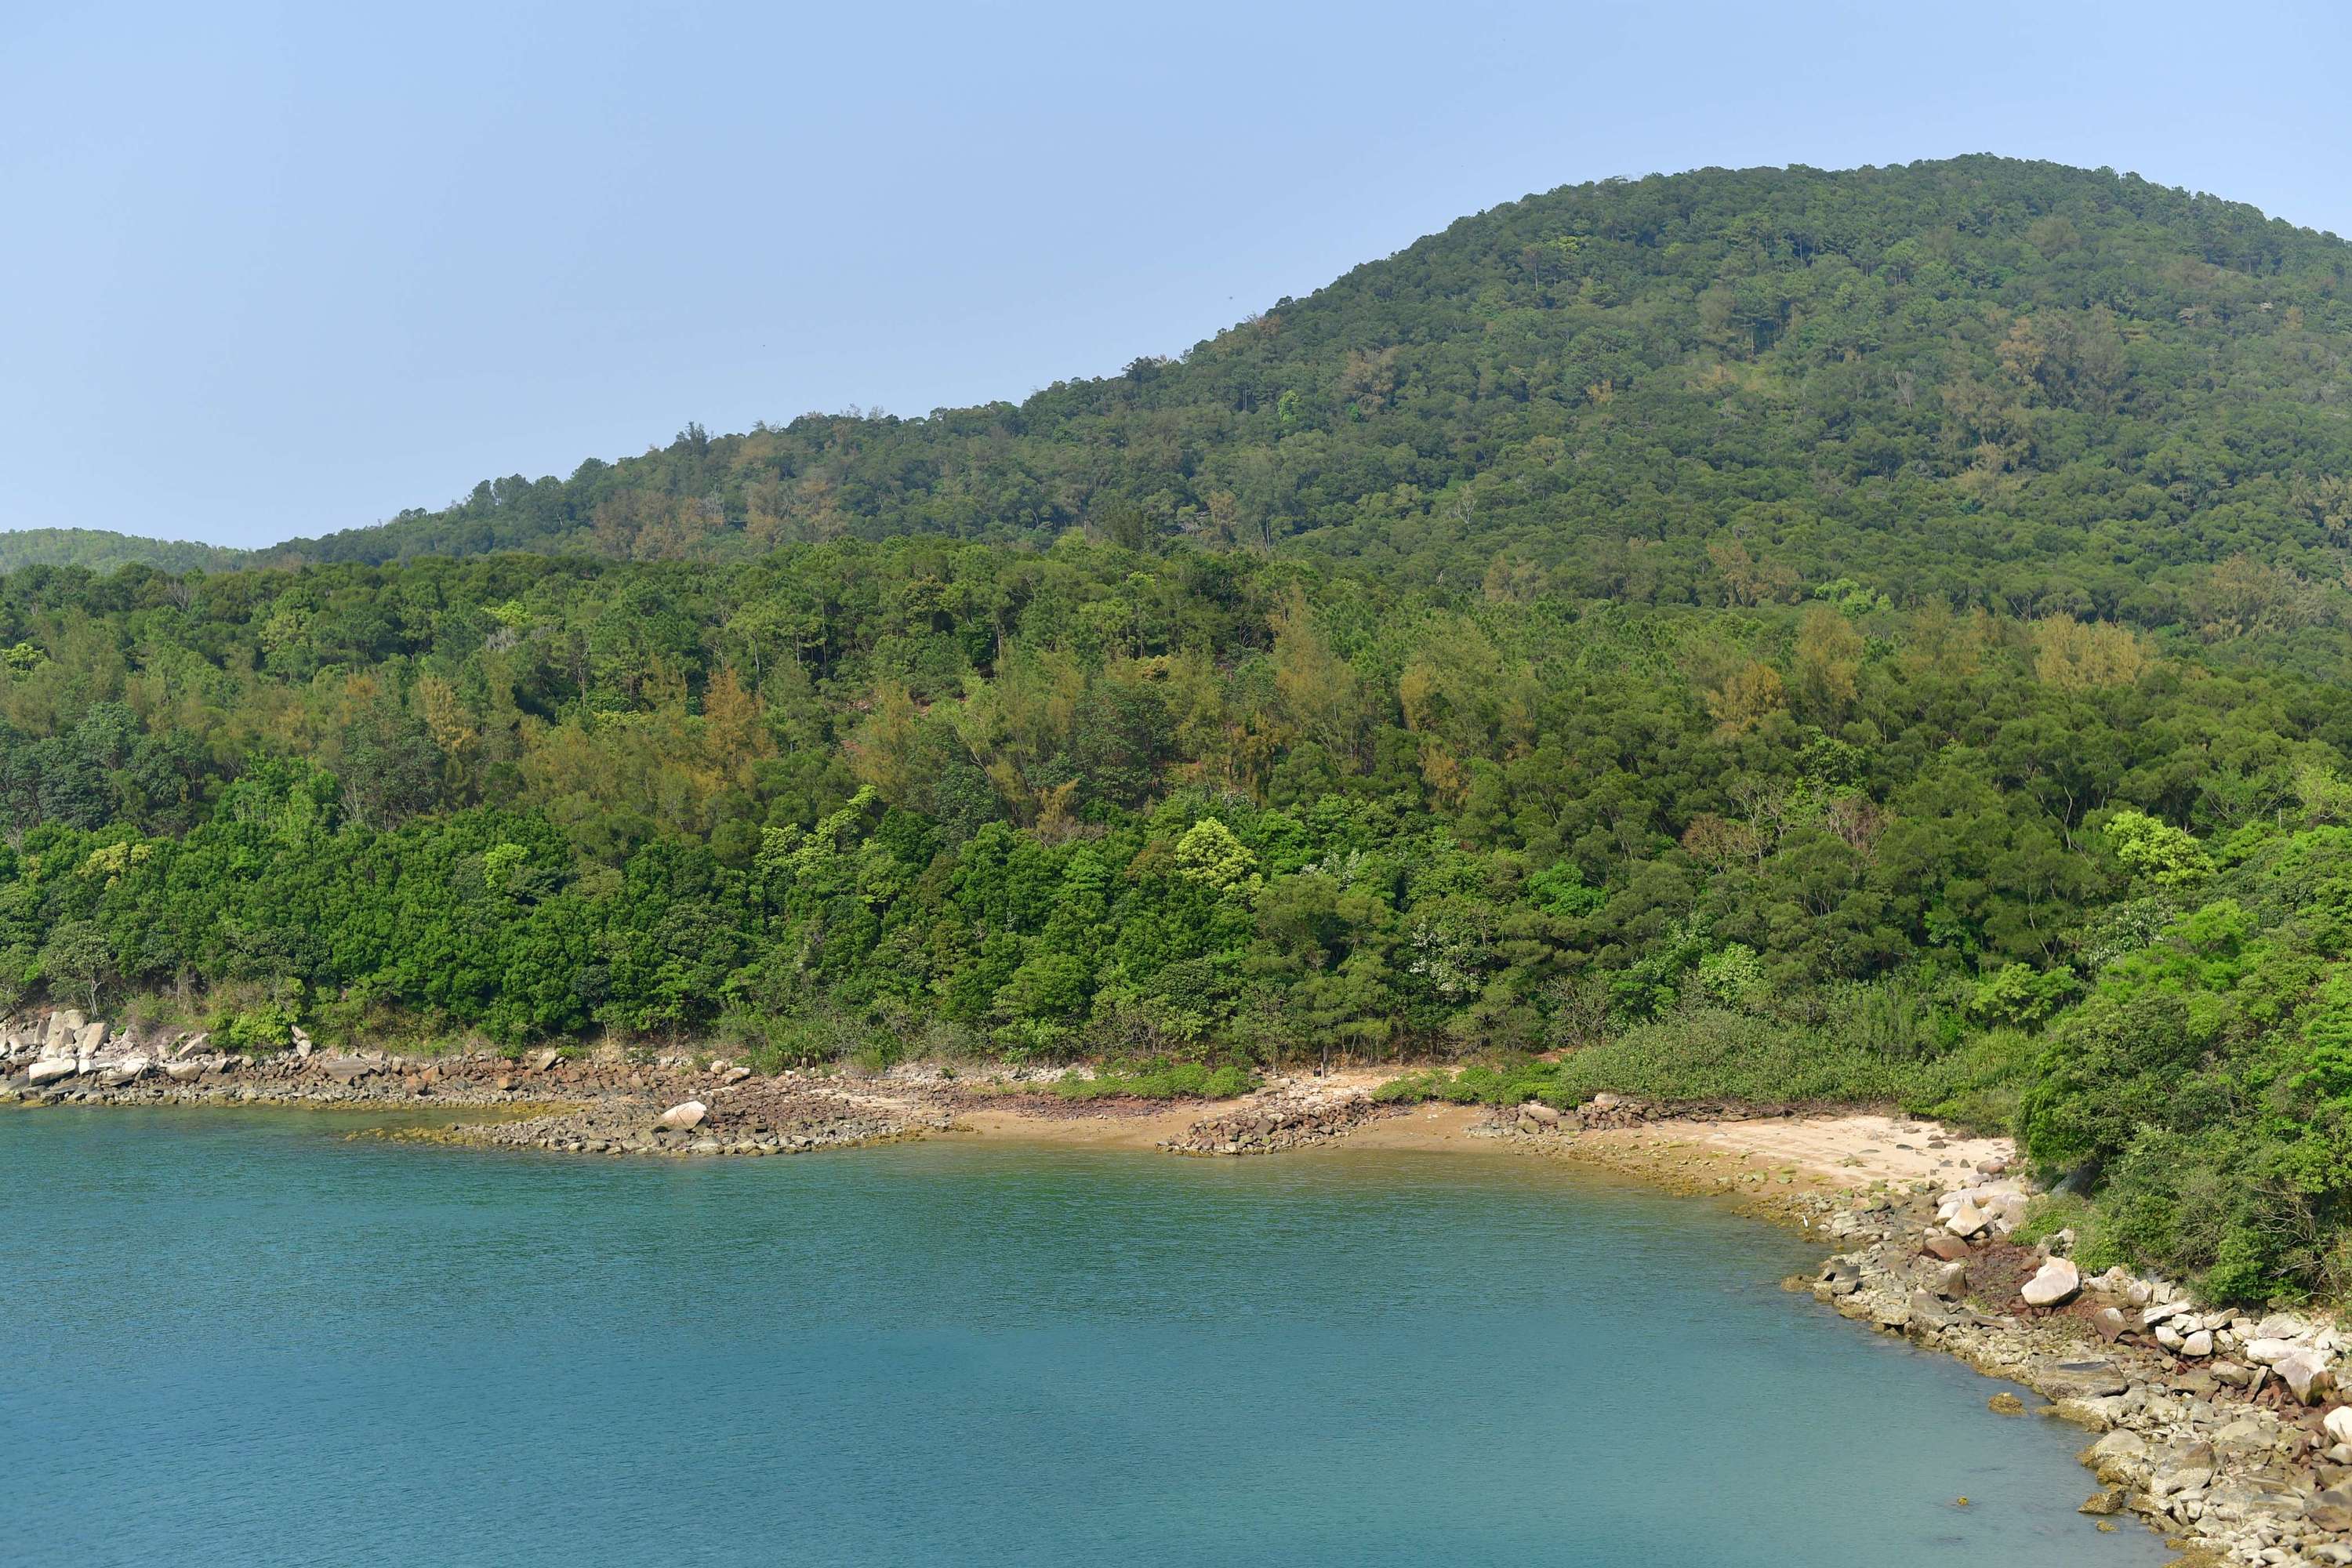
240, 1338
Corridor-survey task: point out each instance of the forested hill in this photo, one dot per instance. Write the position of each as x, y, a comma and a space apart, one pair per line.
100, 550
1982, 380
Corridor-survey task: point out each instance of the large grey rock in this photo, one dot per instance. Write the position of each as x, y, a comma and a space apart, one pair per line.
683, 1118
348, 1070
543, 1061
2197, 1345
1536, 1110
1967, 1220
49, 1069
2120, 1457
2181, 1470
183, 1072
2057, 1281
129, 1069
1946, 1245
2339, 1423
2243, 1437
89, 1037
192, 1046
2306, 1376
2081, 1379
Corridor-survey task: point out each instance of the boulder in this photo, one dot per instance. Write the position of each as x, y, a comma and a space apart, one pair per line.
2167, 1336
129, 1069
2080, 1380
1967, 1220
89, 1037
2197, 1345
49, 1069
734, 1075
683, 1118
2057, 1281
2269, 1351
2119, 1458
2306, 1376
1946, 1245
2339, 1423
1533, 1110
2161, 1311
1604, 1102
348, 1070
542, 1060
183, 1072
2109, 1322
1949, 1280
64, 1025
2181, 1470
2242, 1438
194, 1045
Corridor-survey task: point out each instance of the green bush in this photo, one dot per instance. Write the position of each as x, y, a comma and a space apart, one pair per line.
1158, 1080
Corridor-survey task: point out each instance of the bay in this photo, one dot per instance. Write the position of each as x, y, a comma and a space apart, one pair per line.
246, 1337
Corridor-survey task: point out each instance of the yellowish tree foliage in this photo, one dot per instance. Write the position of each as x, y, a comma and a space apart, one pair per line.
2078, 655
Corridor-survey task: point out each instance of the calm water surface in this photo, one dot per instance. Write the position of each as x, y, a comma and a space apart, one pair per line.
242, 1338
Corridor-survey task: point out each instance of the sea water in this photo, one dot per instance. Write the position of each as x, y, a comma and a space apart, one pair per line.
247, 1337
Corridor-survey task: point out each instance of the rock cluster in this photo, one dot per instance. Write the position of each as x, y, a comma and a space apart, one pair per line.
605, 1106
2216, 1427
1290, 1117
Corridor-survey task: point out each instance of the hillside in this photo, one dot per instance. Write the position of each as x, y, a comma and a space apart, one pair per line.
99, 551
1874, 637
1983, 380
1998, 381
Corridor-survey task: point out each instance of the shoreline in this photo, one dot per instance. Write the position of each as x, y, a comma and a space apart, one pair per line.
2215, 1454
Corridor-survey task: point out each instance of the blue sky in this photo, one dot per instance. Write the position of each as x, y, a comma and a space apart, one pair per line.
276, 270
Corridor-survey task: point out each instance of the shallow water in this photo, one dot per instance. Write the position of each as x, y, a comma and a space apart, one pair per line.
240, 1337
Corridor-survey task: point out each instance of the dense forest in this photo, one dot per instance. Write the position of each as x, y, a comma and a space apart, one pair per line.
1873, 636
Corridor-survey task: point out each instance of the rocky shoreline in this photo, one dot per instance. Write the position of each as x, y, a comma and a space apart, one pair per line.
2218, 1427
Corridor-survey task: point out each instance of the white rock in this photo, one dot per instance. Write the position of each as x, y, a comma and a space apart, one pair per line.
89, 1037
2167, 1336
2159, 1314
2200, 1343
183, 1072
684, 1118
1967, 1221
2306, 1376
49, 1069
2339, 1423
2269, 1351
2057, 1281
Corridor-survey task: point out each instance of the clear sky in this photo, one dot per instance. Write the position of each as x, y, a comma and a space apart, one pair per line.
278, 269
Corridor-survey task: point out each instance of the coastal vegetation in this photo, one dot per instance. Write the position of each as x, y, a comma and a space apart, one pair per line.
1869, 637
